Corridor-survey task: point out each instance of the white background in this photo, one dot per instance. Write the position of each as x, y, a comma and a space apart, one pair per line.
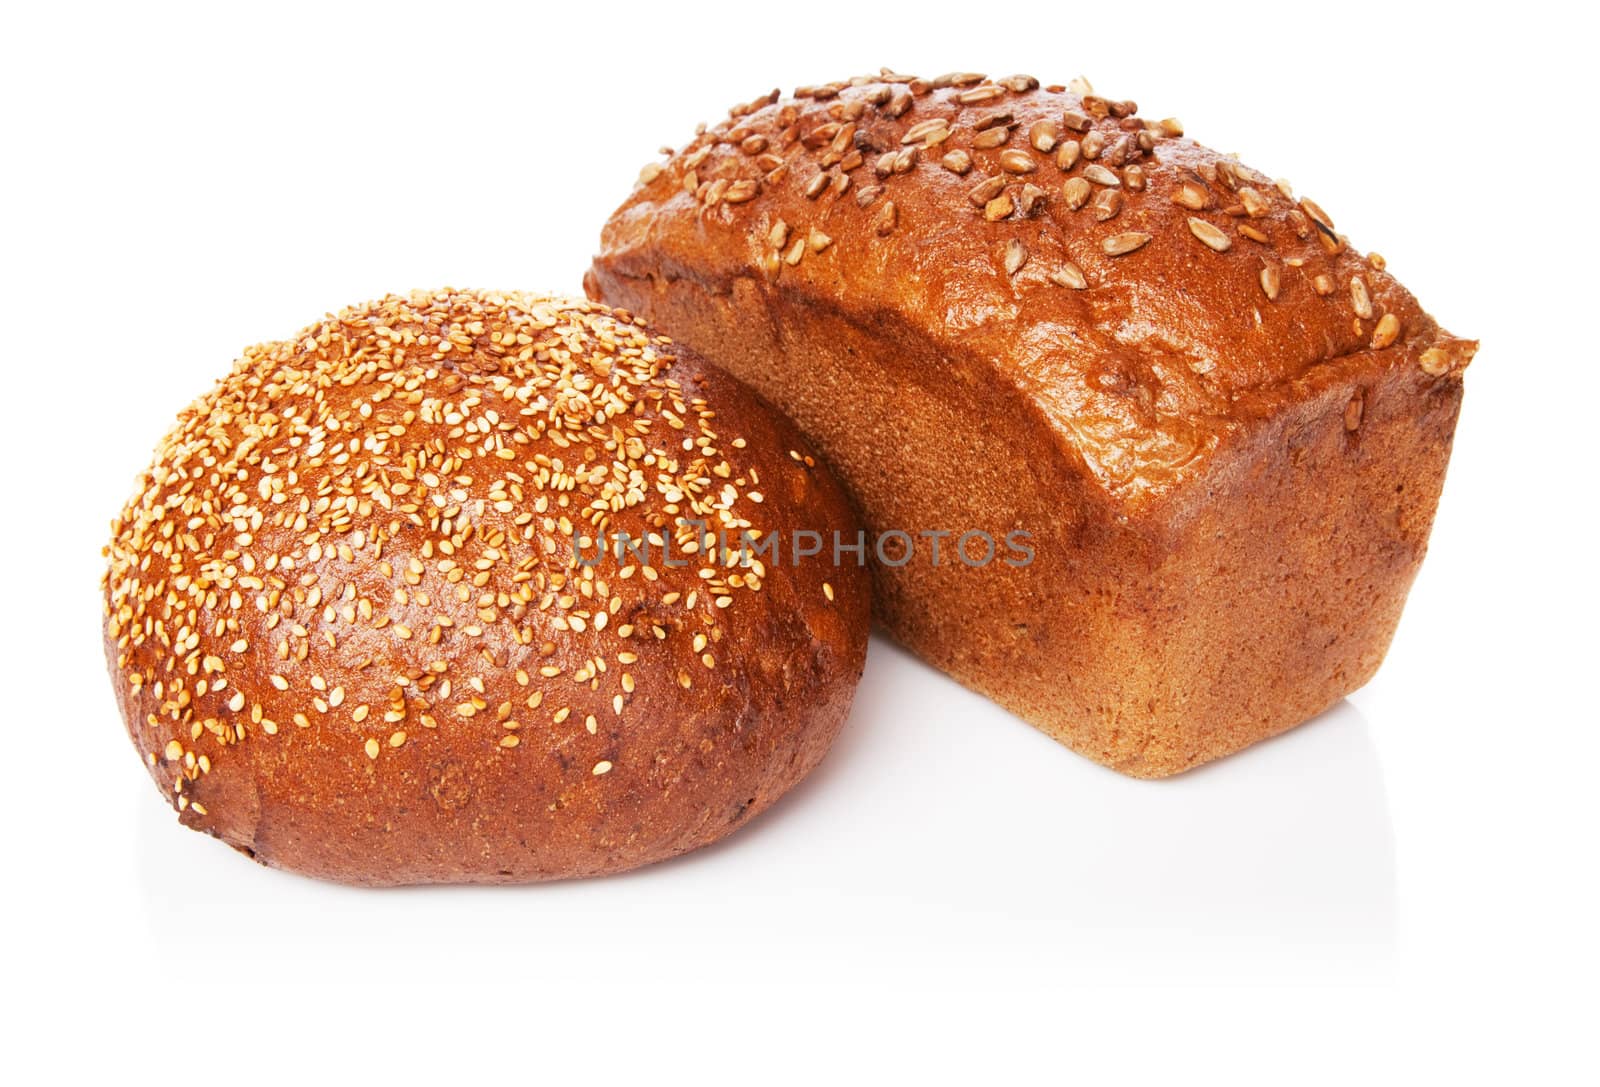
1404, 887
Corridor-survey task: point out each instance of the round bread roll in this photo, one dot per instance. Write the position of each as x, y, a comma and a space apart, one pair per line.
360, 624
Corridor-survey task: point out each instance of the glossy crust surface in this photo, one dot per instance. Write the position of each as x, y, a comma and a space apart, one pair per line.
348, 635
1003, 306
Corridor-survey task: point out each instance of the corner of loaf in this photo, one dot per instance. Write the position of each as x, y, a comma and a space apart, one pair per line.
1002, 306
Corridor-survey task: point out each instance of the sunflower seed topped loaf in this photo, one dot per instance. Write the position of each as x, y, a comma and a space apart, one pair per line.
998, 306
359, 625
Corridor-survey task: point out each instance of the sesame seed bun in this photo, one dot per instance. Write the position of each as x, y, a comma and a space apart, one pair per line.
349, 631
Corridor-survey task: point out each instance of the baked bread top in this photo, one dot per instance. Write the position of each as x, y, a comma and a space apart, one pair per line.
344, 597
1148, 294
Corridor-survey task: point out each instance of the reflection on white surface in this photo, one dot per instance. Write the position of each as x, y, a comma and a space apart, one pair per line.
940, 831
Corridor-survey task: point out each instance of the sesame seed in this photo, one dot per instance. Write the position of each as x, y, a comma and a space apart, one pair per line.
601, 767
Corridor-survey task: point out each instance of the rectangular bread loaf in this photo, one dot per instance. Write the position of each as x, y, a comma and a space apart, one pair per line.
1000, 308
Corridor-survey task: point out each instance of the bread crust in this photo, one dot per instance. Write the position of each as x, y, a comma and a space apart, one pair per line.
1001, 306
348, 638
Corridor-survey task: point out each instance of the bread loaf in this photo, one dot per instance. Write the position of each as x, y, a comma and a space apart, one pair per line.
359, 625
1001, 307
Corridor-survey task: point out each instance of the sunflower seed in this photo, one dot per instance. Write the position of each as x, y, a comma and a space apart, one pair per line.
1075, 193
1107, 204
1044, 135
1317, 215
1209, 234
1118, 245
994, 137
980, 94
986, 190
1360, 299
1067, 154
1031, 200
886, 219
1191, 196
1133, 178
957, 162
1353, 411
1270, 281
1254, 234
1016, 255
741, 190
1077, 122
1017, 161
820, 136
992, 120
933, 130
998, 208
815, 187
1387, 332
1255, 205
778, 234
1069, 275
1101, 176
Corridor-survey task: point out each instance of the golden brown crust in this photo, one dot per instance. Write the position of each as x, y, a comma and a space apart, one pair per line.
1067, 246
997, 305
348, 636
